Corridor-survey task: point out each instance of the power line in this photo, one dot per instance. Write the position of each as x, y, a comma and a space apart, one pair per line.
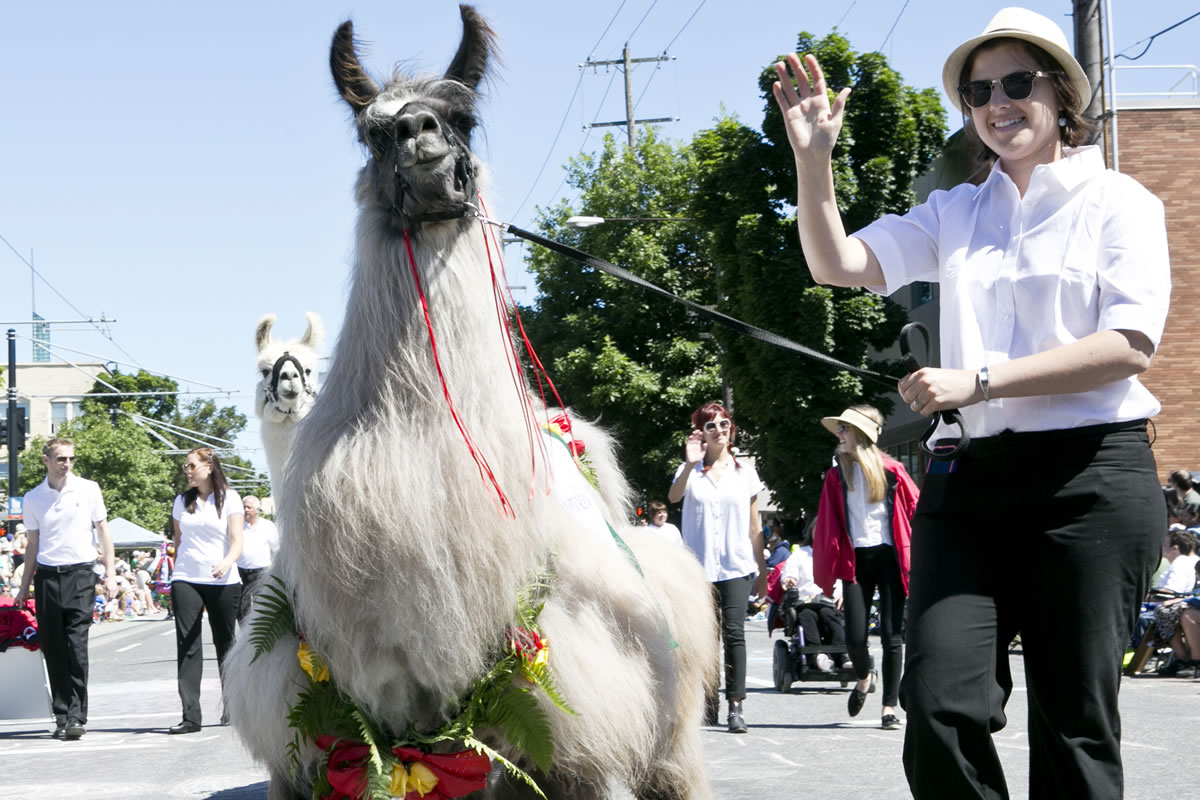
848, 10
550, 152
607, 28
1149, 41
893, 28
567, 113
643, 19
83, 316
684, 28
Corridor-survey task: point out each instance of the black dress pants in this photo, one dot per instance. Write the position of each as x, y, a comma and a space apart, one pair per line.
189, 601
876, 568
64, 615
249, 577
1052, 535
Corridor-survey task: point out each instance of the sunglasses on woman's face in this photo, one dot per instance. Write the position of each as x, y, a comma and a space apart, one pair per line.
1017, 85
716, 425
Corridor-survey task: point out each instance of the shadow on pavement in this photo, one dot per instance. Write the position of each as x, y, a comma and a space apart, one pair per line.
255, 791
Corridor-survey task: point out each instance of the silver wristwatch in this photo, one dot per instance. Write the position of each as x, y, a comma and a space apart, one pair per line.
983, 383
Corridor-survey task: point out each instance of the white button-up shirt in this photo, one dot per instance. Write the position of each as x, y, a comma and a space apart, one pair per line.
716, 519
1085, 250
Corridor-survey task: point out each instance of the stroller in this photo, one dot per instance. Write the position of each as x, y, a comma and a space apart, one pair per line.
791, 655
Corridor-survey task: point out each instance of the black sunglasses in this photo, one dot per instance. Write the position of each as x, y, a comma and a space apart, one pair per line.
1017, 85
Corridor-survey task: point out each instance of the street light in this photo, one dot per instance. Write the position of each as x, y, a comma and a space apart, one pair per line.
587, 222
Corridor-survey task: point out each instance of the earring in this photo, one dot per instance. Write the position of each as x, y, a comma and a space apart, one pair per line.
1062, 122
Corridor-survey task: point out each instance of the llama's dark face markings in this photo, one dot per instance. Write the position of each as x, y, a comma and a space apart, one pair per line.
418, 132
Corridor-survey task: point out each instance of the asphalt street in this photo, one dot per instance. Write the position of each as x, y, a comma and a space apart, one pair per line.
799, 744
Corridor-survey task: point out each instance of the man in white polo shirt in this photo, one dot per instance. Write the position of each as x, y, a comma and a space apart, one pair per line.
260, 543
60, 514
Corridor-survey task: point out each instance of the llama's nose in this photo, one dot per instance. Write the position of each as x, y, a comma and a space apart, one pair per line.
414, 121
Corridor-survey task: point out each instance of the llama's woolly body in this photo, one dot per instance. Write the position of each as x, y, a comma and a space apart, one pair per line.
404, 569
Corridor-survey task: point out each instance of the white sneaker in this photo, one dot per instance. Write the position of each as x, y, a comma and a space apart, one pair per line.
824, 663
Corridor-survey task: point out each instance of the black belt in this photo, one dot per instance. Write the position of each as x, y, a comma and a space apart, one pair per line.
65, 567
243, 571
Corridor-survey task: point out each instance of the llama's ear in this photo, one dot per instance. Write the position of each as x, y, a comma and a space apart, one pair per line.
314, 337
262, 334
477, 47
353, 83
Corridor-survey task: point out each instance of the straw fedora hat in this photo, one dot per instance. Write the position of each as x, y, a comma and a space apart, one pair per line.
856, 419
1018, 23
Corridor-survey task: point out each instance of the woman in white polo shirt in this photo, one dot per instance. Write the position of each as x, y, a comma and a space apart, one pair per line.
722, 527
1055, 281
208, 540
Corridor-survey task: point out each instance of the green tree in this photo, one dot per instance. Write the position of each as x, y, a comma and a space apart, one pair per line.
632, 360
137, 481
158, 406
641, 364
746, 201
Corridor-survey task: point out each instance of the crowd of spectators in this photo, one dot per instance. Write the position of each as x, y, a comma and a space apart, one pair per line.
136, 595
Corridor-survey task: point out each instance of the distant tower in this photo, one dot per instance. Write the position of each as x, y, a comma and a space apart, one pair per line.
41, 333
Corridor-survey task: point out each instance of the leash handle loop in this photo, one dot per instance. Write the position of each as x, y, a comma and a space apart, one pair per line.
950, 416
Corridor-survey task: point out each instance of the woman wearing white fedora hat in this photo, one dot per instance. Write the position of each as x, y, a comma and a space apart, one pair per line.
1055, 282
862, 538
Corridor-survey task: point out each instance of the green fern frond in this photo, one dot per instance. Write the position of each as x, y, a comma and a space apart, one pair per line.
539, 675
275, 620
319, 710
367, 734
479, 747
518, 716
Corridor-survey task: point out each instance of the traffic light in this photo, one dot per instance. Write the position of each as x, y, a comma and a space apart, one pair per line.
19, 420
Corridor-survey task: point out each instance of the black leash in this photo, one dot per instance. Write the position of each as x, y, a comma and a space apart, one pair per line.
724, 319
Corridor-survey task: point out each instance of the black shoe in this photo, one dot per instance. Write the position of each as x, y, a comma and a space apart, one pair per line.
60, 730
890, 722
185, 726
74, 730
736, 723
857, 699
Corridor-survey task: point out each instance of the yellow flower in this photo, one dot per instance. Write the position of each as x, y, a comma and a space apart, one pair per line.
421, 778
543, 654
311, 662
417, 778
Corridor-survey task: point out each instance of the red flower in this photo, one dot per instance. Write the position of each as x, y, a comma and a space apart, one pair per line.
458, 773
576, 446
563, 422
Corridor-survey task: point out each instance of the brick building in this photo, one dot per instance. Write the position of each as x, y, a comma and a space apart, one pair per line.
1157, 144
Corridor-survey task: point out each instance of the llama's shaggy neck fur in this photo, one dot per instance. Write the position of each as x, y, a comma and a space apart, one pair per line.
430, 547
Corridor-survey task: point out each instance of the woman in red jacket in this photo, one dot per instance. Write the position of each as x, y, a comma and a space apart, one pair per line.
862, 537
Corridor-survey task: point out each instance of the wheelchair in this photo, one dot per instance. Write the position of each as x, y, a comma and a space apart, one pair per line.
789, 663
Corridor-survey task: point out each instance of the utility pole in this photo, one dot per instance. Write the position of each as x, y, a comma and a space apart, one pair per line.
627, 64
1089, 51
12, 422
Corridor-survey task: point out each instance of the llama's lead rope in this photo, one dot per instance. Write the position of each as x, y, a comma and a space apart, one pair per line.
480, 460
733, 323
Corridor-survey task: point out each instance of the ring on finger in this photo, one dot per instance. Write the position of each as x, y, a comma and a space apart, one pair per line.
915, 406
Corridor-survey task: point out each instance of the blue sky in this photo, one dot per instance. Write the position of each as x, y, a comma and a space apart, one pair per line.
185, 168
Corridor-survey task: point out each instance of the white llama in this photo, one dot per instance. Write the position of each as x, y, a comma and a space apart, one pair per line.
287, 387
404, 564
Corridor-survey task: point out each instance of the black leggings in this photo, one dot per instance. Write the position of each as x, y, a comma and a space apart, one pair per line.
732, 596
876, 567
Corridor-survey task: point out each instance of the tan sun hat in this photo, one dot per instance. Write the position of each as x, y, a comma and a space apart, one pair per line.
857, 419
1018, 23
